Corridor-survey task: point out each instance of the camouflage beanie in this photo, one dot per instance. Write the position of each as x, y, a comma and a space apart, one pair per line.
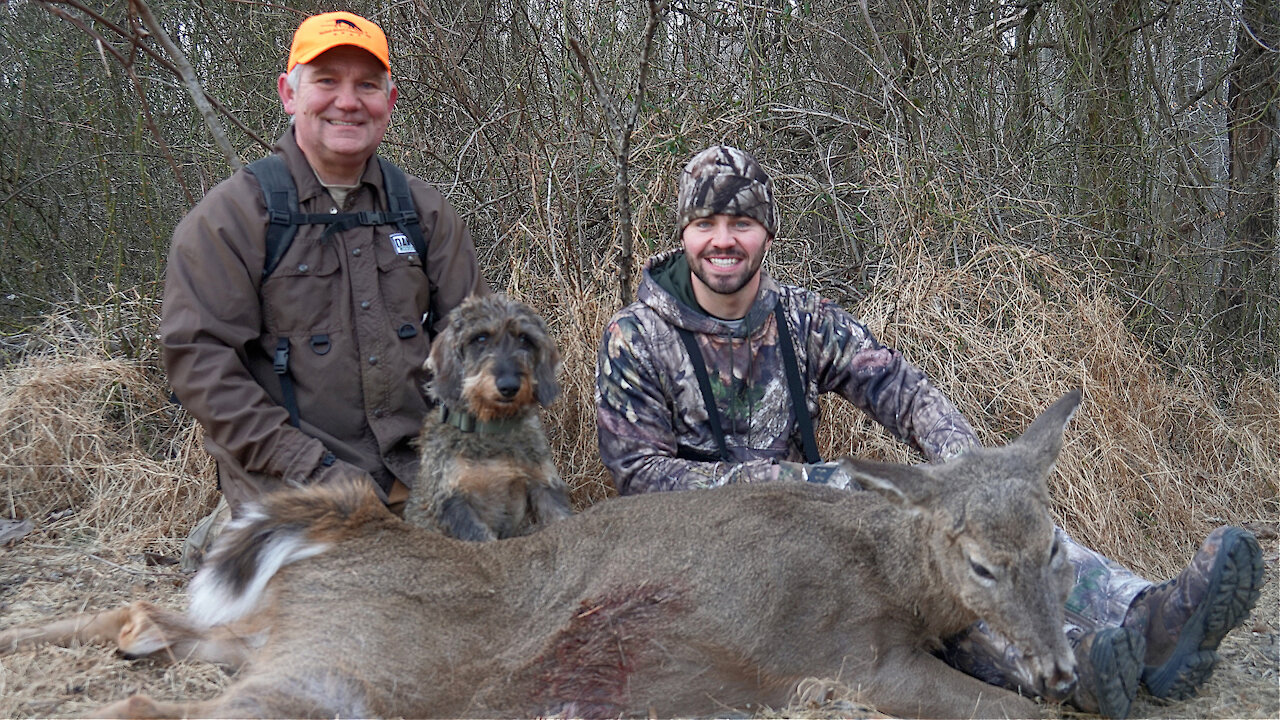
723, 180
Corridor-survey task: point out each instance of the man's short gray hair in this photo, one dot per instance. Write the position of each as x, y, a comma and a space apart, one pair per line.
295, 77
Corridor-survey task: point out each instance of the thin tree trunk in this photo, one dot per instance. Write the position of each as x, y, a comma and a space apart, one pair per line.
1254, 147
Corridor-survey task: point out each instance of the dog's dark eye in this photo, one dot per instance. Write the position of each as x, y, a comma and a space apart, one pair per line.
479, 339
526, 341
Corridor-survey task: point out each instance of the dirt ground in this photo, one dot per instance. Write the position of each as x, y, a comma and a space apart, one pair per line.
46, 574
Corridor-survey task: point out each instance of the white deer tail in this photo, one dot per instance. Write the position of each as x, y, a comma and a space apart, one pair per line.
286, 527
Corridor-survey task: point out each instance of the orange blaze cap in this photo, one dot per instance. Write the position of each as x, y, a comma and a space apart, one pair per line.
319, 33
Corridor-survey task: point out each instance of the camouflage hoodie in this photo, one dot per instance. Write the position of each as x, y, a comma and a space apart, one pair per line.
649, 405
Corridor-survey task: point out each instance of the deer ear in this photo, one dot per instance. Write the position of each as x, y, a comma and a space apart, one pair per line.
908, 485
1042, 441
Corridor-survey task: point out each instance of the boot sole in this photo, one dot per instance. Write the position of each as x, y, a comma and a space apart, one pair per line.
1234, 587
1116, 657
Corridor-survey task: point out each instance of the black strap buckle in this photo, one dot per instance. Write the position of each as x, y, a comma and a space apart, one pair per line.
281, 361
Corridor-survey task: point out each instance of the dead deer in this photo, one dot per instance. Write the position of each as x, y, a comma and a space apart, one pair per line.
686, 603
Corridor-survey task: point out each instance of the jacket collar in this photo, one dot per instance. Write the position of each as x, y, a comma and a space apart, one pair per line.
304, 176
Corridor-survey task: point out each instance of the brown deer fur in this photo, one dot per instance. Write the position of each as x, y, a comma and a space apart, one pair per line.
686, 603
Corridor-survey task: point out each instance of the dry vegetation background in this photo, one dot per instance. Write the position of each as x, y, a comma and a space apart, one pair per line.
1022, 197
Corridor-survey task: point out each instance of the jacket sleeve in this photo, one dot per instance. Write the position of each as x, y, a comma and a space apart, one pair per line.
634, 420
210, 317
452, 267
846, 359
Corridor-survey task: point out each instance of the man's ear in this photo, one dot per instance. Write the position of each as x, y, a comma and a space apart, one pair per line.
391, 98
285, 92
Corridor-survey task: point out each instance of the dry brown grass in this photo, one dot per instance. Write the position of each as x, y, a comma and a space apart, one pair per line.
1155, 458
88, 434
92, 451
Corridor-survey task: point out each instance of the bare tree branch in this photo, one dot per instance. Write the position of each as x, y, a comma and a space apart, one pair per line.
191, 82
622, 124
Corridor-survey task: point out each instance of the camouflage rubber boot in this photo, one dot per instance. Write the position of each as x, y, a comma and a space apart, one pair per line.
1108, 671
1185, 619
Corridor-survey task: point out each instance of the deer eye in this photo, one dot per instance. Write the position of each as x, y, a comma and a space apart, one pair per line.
982, 572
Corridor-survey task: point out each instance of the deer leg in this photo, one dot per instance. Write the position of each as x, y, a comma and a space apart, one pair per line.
141, 706
99, 627
267, 696
155, 631
142, 630
908, 682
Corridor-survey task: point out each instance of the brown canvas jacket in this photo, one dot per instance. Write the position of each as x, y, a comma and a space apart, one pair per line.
353, 311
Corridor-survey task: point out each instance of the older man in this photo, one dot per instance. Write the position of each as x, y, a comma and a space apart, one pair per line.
303, 361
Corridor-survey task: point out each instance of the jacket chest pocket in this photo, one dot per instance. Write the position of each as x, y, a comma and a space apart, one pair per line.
402, 279
304, 293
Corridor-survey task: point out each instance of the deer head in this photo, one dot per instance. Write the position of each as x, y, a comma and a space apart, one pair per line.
992, 539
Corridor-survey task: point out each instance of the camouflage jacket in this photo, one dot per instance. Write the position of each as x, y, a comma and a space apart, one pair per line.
649, 405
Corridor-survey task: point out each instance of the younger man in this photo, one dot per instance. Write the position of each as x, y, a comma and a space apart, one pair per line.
693, 390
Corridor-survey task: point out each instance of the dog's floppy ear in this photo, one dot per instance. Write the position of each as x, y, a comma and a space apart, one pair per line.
545, 373
444, 365
547, 367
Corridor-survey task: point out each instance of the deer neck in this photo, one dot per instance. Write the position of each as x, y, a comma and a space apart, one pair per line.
919, 575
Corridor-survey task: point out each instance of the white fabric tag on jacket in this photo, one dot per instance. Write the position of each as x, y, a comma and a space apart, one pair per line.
400, 242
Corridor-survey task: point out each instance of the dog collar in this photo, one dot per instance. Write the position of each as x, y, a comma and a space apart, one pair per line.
467, 423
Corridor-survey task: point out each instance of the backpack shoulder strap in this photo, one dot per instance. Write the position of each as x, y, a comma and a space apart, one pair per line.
400, 206
281, 197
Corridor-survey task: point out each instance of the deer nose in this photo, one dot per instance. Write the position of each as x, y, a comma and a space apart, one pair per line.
1058, 685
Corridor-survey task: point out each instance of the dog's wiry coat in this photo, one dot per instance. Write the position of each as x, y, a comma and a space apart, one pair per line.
486, 470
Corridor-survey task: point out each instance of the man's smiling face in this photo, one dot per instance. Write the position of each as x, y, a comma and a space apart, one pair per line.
725, 253
340, 109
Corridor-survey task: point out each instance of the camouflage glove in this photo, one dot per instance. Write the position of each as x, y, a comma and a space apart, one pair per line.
827, 473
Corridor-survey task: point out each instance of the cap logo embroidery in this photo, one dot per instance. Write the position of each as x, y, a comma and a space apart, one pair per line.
343, 26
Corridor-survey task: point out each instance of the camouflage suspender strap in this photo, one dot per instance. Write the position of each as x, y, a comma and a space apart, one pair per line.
794, 384
798, 404
708, 399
